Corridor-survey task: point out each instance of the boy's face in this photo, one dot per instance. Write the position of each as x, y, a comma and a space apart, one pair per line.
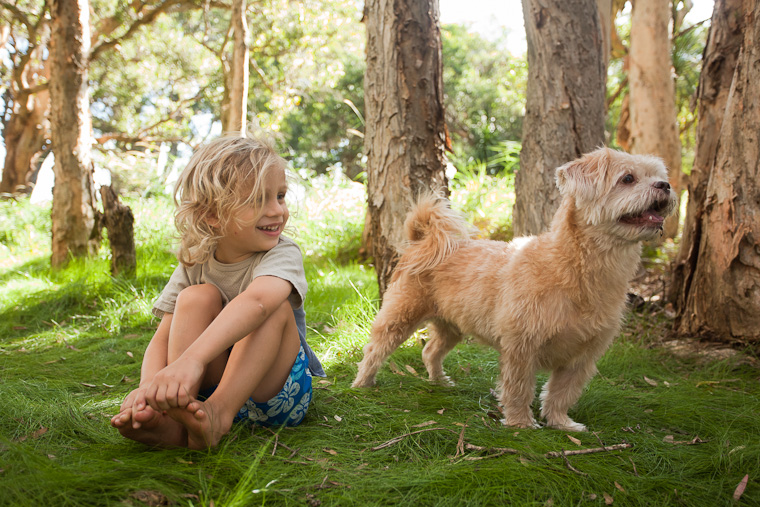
257, 229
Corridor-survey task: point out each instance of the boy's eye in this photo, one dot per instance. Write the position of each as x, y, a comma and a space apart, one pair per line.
281, 196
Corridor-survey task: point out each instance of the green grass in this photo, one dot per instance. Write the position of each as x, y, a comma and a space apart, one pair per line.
71, 343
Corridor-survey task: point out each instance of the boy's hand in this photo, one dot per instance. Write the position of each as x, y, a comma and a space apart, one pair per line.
172, 386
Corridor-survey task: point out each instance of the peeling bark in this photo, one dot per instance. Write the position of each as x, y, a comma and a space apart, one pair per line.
719, 62
405, 131
75, 220
565, 102
723, 292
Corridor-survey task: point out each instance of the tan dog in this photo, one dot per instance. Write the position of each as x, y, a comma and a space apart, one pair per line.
549, 302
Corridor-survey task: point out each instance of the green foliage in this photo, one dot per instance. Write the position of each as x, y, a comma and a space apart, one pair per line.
326, 129
484, 92
71, 344
485, 191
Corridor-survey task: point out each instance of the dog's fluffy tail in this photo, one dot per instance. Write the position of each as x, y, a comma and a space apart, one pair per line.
434, 232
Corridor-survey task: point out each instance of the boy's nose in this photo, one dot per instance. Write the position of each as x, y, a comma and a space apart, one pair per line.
274, 208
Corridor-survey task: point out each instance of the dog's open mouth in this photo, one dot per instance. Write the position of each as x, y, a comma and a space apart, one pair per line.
654, 216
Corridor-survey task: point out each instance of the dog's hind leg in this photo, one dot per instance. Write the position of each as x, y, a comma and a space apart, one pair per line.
401, 315
563, 389
443, 338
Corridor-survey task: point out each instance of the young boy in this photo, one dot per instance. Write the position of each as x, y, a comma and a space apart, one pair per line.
231, 342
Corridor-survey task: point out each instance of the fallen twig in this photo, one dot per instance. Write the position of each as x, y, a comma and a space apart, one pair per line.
399, 438
571, 467
460, 442
616, 447
502, 450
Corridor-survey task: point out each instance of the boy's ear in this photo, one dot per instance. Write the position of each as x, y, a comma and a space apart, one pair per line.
212, 220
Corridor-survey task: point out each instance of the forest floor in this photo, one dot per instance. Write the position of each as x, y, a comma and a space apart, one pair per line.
671, 422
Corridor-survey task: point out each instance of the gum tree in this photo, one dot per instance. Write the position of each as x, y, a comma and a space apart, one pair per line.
716, 287
564, 115
405, 132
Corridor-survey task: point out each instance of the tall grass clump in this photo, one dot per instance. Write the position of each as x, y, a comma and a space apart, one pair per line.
485, 191
327, 215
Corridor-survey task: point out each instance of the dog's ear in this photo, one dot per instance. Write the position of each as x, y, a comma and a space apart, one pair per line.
583, 177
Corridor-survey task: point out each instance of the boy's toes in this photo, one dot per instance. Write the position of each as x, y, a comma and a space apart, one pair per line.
120, 419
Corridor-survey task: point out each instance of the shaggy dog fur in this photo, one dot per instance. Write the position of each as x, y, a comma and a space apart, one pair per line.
550, 302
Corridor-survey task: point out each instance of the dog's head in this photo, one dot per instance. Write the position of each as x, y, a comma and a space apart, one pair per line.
628, 195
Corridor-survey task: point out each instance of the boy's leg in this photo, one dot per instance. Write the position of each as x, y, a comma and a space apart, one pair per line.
257, 368
197, 306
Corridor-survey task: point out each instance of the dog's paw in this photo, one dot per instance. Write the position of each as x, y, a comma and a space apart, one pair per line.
363, 382
527, 424
567, 425
443, 380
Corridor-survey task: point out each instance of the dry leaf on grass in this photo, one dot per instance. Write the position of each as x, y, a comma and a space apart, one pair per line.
411, 370
740, 488
649, 381
618, 486
338, 418
394, 368
608, 500
573, 440
330, 451
426, 423
440, 412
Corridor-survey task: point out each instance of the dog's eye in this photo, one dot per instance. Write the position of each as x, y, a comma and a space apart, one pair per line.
628, 179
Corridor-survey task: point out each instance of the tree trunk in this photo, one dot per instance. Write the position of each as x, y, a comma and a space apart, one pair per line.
119, 222
723, 298
654, 122
236, 118
565, 102
24, 135
405, 130
75, 228
27, 126
718, 64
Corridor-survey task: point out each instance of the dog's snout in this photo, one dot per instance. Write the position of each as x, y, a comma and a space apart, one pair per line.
662, 185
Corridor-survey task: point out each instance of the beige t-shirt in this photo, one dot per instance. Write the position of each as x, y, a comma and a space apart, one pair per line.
283, 261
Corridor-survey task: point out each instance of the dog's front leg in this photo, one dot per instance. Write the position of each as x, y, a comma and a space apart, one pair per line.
562, 392
517, 390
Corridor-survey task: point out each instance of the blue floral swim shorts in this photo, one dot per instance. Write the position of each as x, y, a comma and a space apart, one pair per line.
288, 407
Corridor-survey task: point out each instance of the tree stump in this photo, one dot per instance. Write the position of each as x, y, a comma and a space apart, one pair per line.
119, 222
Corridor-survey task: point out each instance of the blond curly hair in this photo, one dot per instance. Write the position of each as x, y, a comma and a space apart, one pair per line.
222, 177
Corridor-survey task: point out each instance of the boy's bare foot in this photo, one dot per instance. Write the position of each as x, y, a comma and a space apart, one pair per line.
146, 418
149, 427
204, 426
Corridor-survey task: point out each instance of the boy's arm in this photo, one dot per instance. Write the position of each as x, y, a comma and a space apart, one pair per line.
154, 360
157, 351
243, 315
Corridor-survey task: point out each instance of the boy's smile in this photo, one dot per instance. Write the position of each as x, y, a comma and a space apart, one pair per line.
257, 229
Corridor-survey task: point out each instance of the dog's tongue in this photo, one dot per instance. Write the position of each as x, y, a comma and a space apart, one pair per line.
646, 218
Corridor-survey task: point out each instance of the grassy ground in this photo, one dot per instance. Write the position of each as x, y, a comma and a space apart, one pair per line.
683, 430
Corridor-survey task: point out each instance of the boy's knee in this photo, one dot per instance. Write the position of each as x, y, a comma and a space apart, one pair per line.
202, 296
